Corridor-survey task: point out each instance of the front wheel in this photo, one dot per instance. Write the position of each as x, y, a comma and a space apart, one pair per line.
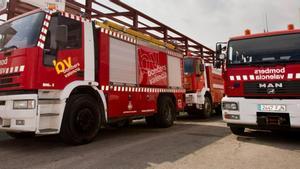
208, 108
81, 121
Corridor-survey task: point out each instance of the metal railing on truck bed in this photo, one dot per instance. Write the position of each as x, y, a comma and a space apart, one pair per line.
118, 12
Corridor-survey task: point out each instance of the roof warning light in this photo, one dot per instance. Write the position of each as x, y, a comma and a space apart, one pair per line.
247, 32
291, 27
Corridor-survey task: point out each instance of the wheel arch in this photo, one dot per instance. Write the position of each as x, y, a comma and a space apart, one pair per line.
171, 95
208, 94
87, 88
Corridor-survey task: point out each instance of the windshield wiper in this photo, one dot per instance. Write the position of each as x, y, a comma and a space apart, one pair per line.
265, 63
8, 48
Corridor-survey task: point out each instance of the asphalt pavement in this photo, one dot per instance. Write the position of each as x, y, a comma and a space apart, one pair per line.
190, 144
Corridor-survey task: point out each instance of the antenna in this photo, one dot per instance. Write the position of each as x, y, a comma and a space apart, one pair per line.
299, 14
266, 22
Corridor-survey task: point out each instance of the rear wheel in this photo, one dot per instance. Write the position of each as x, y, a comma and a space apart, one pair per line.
81, 121
208, 108
237, 130
21, 135
166, 112
218, 109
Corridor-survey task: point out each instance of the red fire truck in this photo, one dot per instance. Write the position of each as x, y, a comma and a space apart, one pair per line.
204, 87
62, 73
262, 81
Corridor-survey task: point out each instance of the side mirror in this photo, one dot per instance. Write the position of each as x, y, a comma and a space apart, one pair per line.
219, 49
201, 69
61, 35
218, 64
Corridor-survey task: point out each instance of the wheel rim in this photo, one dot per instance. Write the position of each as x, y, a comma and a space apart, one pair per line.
85, 121
207, 106
168, 112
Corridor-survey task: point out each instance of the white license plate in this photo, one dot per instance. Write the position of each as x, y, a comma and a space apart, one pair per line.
271, 108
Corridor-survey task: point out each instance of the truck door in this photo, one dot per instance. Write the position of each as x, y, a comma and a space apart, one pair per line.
199, 75
62, 58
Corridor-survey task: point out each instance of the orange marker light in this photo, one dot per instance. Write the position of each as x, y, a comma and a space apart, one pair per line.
52, 6
291, 27
247, 32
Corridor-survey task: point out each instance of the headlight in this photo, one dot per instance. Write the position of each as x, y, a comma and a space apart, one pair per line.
230, 106
24, 104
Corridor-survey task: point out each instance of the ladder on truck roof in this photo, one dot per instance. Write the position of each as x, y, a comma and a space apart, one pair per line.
117, 14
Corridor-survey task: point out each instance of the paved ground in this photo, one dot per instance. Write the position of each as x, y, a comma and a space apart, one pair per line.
189, 144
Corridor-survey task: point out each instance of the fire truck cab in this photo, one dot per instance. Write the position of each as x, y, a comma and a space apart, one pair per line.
204, 87
262, 84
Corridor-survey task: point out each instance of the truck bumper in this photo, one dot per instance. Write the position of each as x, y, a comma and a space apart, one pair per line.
17, 120
194, 101
249, 115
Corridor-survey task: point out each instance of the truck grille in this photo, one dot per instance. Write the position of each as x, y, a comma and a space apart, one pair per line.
7, 81
262, 88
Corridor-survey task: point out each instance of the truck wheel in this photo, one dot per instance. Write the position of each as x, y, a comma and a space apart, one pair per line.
218, 110
81, 121
20, 135
207, 110
166, 113
237, 130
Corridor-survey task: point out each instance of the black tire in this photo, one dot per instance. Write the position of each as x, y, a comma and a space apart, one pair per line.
81, 121
21, 135
218, 110
207, 108
237, 130
166, 114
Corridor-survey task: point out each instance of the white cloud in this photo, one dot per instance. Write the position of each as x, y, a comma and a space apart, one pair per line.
209, 21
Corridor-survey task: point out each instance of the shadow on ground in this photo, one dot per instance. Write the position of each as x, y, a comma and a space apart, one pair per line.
137, 146
186, 118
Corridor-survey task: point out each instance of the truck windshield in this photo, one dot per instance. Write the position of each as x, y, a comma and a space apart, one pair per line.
21, 33
188, 65
265, 50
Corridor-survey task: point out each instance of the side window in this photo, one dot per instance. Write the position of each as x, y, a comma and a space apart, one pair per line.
198, 68
74, 34
52, 46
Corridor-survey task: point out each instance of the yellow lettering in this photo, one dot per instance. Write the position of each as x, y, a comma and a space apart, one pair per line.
59, 67
68, 63
63, 65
